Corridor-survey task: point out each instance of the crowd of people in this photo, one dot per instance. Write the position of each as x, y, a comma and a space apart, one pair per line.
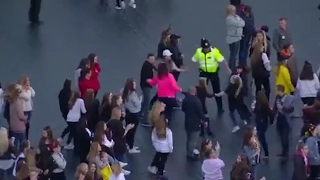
101, 132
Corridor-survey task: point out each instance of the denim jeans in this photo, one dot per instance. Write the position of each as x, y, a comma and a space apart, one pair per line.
19, 137
145, 105
234, 49
283, 129
243, 50
191, 144
119, 157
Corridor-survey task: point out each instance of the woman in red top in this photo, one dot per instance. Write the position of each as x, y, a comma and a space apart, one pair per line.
95, 71
85, 82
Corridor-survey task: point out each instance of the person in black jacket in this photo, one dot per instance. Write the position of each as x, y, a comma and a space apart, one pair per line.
92, 106
300, 163
194, 117
177, 56
105, 108
164, 42
264, 117
83, 138
248, 30
64, 96
118, 133
203, 94
260, 63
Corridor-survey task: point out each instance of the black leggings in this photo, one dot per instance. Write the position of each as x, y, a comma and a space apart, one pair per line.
308, 100
159, 161
58, 176
131, 118
72, 128
118, 2
265, 82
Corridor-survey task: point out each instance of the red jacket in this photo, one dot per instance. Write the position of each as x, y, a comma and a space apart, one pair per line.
85, 84
95, 71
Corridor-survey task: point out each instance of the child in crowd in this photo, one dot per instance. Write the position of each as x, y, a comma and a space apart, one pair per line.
104, 166
205, 146
236, 102
211, 166
117, 173
58, 173
203, 94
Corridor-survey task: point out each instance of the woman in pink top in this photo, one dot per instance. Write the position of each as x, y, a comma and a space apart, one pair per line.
211, 166
167, 88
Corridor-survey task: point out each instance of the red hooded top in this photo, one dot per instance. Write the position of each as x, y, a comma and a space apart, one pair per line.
95, 71
85, 84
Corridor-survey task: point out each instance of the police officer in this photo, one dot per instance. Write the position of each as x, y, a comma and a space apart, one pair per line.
34, 11
209, 59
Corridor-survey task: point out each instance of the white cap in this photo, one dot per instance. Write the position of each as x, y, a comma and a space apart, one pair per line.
166, 53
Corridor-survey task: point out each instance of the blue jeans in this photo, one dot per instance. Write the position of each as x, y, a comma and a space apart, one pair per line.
146, 92
262, 127
234, 49
119, 157
243, 50
19, 137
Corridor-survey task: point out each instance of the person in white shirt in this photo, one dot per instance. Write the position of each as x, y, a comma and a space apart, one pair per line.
27, 93
162, 141
77, 109
117, 173
308, 84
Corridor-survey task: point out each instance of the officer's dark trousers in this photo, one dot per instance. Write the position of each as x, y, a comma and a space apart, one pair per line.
34, 10
215, 82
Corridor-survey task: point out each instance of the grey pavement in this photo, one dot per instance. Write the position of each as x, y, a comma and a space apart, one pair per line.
75, 28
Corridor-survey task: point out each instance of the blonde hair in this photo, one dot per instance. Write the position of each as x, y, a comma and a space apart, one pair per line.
230, 8
116, 168
31, 157
4, 141
94, 151
23, 80
12, 92
236, 79
161, 127
25, 171
154, 114
81, 170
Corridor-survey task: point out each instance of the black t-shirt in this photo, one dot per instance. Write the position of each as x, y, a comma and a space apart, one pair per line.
146, 73
231, 91
117, 129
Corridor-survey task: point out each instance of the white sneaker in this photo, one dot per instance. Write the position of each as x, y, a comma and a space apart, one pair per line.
126, 172
123, 164
69, 147
132, 4
118, 7
196, 151
245, 122
133, 151
135, 147
122, 5
152, 169
235, 129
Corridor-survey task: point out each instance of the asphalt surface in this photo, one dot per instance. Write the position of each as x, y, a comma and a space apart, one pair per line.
75, 28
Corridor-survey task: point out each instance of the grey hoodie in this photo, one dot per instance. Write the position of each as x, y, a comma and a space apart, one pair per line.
133, 103
313, 154
235, 26
281, 38
60, 161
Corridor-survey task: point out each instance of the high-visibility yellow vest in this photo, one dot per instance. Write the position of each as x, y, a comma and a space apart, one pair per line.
208, 62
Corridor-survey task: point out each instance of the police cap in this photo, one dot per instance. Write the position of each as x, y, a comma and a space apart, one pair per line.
205, 43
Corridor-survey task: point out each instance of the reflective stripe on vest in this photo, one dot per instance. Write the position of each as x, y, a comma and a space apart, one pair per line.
207, 62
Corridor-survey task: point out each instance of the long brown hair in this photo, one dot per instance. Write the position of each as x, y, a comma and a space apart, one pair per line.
203, 84
114, 101
262, 101
256, 54
105, 104
49, 137
73, 98
128, 88
30, 158
89, 99
93, 152
99, 132
154, 114
23, 80
161, 127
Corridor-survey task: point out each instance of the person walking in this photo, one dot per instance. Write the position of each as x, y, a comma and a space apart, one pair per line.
209, 59
281, 36
194, 117
176, 56
235, 26
64, 96
146, 72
